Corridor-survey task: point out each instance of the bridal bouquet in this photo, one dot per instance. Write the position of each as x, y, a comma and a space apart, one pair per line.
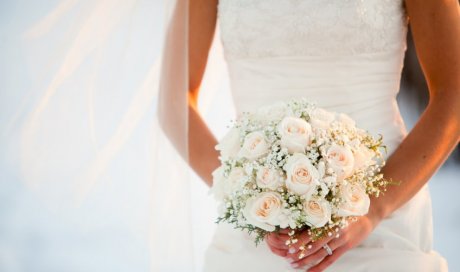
299, 166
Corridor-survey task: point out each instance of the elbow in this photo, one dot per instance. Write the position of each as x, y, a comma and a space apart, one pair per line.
446, 105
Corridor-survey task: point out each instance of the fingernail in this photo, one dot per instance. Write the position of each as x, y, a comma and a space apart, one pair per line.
290, 260
292, 250
294, 265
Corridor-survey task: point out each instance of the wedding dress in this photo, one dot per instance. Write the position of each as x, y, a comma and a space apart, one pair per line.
347, 56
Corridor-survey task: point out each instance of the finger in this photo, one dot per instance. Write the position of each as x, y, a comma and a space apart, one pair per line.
320, 253
309, 260
277, 251
329, 260
305, 243
285, 231
308, 249
278, 241
303, 239
282, 236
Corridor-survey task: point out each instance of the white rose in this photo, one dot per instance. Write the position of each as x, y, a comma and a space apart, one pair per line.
268, 178
363, 157
218, 184
264, 210
254, 146
235, 180
321, 118
295, 134
341, 160
302, 176
284, 220
355, 200
318, 211
230, 145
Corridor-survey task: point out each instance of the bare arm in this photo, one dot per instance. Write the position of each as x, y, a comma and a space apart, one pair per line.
435, 25
203, 157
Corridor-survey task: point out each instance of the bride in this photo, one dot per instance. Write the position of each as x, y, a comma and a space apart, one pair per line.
347, 56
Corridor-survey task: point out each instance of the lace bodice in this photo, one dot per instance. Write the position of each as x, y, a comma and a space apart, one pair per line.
272, 28
345, 55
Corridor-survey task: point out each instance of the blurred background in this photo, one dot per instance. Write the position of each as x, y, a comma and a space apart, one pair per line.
107, 233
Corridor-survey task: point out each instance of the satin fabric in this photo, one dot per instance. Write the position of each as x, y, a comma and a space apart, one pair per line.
365, 87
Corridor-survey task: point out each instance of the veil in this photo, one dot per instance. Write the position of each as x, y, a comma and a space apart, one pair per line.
98, 131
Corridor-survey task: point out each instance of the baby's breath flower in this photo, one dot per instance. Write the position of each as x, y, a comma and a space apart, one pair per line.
341, 131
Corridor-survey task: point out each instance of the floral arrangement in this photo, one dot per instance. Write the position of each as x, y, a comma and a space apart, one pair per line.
295, 165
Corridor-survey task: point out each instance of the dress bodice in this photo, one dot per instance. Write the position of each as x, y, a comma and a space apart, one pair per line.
345, 55
274, 28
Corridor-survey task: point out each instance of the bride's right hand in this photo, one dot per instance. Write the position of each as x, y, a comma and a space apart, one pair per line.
314, 257
277, 242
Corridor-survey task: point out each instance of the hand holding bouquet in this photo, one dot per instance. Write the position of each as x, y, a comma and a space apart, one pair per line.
299, 166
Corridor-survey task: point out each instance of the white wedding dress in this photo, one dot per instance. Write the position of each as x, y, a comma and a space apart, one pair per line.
347, 55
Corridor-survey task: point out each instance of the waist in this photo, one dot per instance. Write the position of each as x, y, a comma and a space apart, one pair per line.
348, 79
362, 86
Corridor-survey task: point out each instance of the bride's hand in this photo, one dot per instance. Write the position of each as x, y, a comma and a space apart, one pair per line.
314, 256
277, 242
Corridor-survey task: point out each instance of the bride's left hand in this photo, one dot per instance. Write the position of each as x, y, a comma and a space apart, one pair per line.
314, 256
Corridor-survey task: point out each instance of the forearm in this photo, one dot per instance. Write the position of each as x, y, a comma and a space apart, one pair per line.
420, 154
203, 157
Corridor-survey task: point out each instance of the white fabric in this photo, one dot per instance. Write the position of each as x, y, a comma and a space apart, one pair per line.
272, 28
347, 56
85, 140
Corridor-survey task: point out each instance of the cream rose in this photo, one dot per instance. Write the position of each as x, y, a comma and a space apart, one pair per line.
268, 178
341, 160
318, 211
355, 200
254, 146
230, 145
302, 176
362, 157
295, 134
284, 219
321, 118
264, 210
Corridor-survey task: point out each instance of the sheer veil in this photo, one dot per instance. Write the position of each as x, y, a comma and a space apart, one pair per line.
86, 134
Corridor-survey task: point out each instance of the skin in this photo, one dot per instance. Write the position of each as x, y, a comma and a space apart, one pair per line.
203, 157
435, 25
